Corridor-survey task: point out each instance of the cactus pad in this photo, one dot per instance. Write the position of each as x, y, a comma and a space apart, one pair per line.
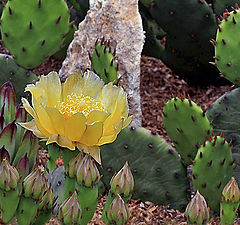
212, 169
227, 47
156, 166
34, 30
186, 125
225, 116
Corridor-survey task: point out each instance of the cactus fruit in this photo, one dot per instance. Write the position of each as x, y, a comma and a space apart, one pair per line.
33, 188
70, 211
118, 213
121, 184
87, 178
34, 30
156, 166
213, 157
186, 125
9, 191
224, 116
197, 211
19, 77
226, 47
103, 62
20, 147
229, 202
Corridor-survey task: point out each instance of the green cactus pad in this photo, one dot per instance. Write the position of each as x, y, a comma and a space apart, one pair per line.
186, 125
219, 6
19, 77
103, 62
225, 116
227, 47
34, 30
212, 169
156, 166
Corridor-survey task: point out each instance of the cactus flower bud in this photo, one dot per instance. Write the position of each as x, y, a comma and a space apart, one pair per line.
35, 184
197, 210
4, 154
70, 211
123, 183
73, 165
23, 166
118, 212
229, 202
87, 172
231, 192
47, 199
9, 176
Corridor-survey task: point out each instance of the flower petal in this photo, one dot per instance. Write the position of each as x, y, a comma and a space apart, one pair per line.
88, 85
32, 127
127, 121
92, 134
94, 151
75, 127
58, 120
48, 87
28, 107
61, 141
96, 115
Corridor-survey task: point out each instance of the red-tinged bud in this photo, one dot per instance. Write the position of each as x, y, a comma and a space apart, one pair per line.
47, 200
9, 176
23, 166
59, 161
74, 164
118, 212
4, 154
8, 101
197, 211
35, 184
21, 114
87, 172
231, 192
123, 183
70, 211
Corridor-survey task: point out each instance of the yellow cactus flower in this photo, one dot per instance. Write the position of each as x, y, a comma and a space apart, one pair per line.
81, 112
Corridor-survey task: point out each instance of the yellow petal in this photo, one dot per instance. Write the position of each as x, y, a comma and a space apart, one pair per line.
61, 141
127, 121
28, 108
92, 134
48, 87
75, 127
57, 119
32, 127
43, 117
94, 151
118, 126
88, 85
96, 115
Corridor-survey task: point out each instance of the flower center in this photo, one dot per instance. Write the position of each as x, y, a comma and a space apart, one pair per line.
73, 104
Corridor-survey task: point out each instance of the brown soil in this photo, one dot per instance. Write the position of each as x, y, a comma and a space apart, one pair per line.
158, 85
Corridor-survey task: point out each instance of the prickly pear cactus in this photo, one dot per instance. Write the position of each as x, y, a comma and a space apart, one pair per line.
19, 77
226, 47
156, 166
219, 6
225, 116
213, 158
34, 29
186, 125
103, 62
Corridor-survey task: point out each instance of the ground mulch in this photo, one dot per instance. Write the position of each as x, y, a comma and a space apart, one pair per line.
158, 85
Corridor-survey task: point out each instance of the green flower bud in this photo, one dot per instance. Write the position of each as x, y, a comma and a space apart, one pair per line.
47, 199
70, 211
87, 172
231, 192
73, 165
35, 184
197, 211
118, 212
9, 176
123, 183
